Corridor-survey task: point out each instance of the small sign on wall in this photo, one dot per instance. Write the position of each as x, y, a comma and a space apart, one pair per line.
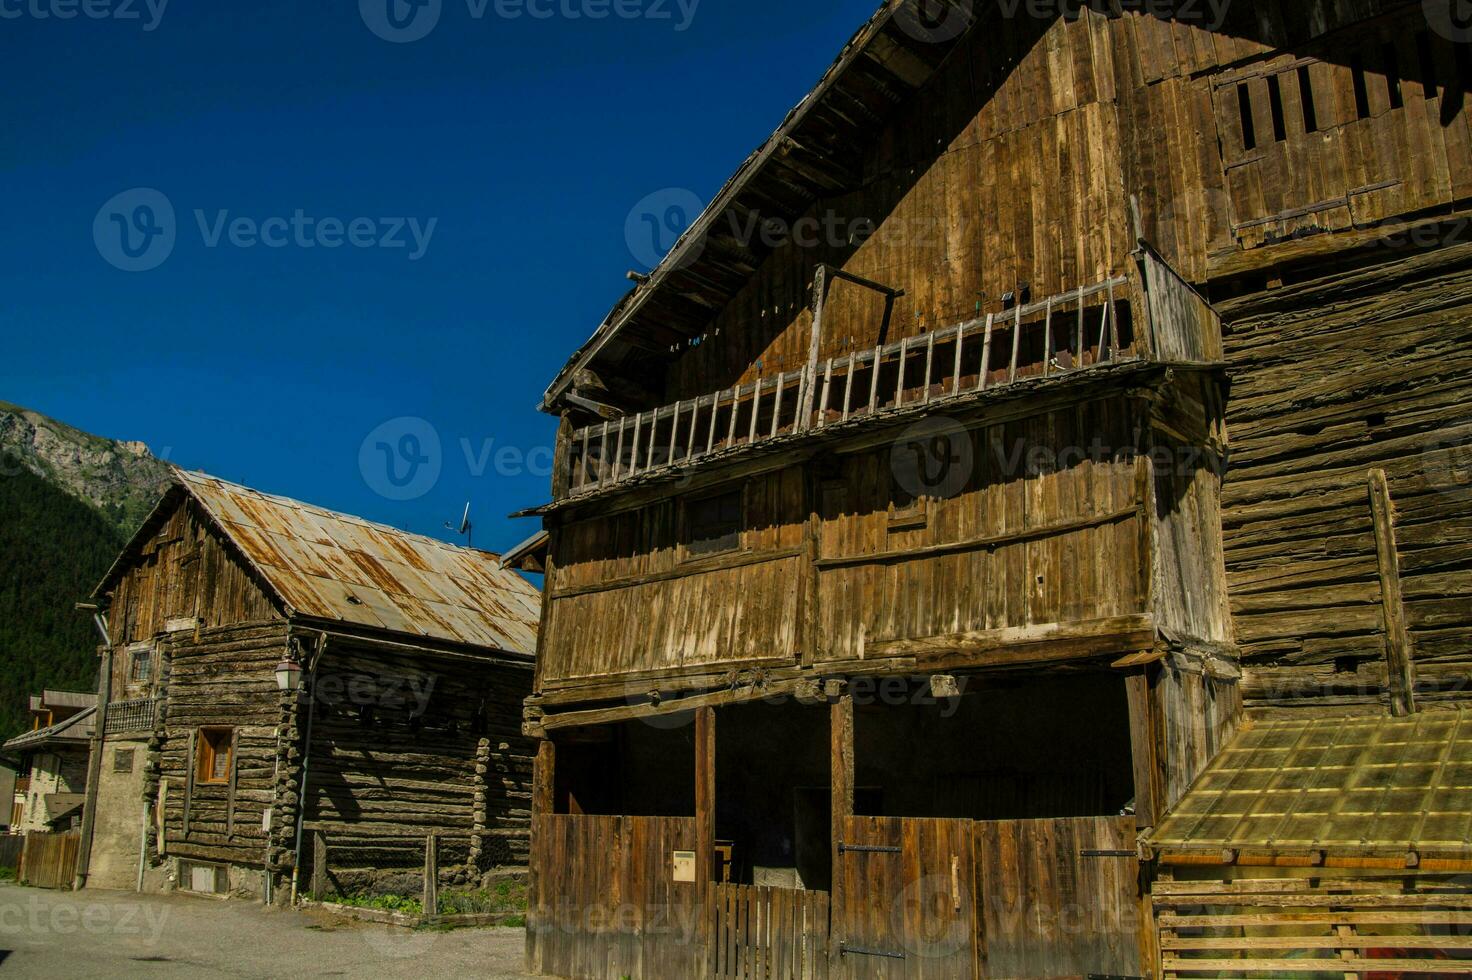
684, 866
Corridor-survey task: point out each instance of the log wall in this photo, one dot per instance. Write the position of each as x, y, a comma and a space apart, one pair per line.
223, 677
1336, 377
399, 740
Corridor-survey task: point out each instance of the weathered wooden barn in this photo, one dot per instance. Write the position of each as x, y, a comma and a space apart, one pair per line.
1022, 527
414, 657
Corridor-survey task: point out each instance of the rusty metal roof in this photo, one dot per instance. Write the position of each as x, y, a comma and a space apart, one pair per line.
336, 567
1341, 785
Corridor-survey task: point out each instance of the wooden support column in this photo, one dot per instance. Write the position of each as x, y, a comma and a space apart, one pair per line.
705, 821
544, 775
431, 904
1144, 748
841, 738
1402, 680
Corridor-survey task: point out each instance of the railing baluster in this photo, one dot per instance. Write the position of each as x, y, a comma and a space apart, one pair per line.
715, 411
653, 436
929, 365
1113, 324
899, 388
756, 404
986, 353
956, 369
1016, 345
1078, 344
1048, 339
583, 463
874, 381
827, 388
603, 455
848, 388
777, 405
675, 431
618, 456
694, 419
735, 404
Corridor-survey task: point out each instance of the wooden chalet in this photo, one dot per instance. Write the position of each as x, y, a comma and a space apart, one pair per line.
414, 657
907, 613
51, 773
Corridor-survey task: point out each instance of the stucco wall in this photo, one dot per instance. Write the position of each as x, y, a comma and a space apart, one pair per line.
119, 821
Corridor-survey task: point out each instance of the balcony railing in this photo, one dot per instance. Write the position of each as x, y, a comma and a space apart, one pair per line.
124, 717
1077, 331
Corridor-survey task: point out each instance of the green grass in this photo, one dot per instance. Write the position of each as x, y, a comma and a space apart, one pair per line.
381, 903
503, 897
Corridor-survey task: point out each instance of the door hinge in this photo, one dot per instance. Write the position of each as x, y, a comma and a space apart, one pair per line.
1109, 854
867, 848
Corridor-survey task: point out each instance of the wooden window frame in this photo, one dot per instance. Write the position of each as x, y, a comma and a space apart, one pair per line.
139, 656
686, 530
206, 752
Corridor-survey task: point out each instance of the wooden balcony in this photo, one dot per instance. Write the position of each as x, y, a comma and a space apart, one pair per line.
1150, 314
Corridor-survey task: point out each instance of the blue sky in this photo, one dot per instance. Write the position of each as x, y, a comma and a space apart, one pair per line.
475, 183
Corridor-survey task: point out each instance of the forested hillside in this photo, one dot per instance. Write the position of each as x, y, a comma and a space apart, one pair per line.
53, 550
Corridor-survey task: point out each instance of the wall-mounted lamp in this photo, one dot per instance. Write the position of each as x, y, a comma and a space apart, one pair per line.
289, 675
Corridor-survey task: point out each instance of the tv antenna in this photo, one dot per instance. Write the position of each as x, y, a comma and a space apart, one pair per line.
465, 528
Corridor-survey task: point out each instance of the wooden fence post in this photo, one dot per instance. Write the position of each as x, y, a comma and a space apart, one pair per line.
705, 821
1401, 680
431, 876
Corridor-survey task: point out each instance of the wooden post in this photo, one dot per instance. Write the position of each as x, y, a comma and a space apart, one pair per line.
562, 458
820, 297
544, 781
705, 819
1143, 748
1402, 680
432, 875
319, 864
841, 738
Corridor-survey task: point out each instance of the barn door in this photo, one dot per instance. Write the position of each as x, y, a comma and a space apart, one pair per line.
1059, 898
906, 910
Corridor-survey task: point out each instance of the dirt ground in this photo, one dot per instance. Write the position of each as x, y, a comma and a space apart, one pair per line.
98, 934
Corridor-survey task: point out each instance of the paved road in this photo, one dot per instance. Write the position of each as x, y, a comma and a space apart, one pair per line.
102, 935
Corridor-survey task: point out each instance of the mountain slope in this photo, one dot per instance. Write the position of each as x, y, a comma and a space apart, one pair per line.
68, 503
120, 479
53, 550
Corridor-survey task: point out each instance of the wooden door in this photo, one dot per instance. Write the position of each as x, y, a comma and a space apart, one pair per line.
1059, 898
906, 910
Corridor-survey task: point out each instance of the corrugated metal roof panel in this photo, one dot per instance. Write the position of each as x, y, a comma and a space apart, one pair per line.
337, 567
1333, 784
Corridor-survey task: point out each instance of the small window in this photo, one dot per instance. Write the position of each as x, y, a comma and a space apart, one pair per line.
1361, 87
140, 670
122, 760
213, 755
713, 524
1392, 75
1306, 97
1244, 108
1275, 102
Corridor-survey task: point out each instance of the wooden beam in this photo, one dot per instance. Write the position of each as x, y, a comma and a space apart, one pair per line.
705, 807
1019, 645
1144, 748
1397, 635
842, 778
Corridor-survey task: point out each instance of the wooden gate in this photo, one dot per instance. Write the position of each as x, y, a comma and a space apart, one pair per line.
1059, 898
50, 860
906, 907
768, 933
